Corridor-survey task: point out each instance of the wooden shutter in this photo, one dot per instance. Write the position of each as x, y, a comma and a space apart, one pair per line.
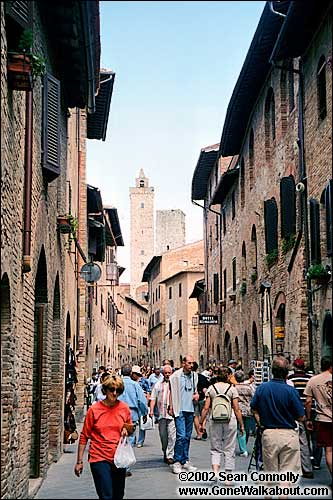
288, 206
271, 222
51, 128
21, 12
216, 288
329, 216
315, 231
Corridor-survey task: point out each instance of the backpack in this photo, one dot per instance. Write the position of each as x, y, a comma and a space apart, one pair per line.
221, 407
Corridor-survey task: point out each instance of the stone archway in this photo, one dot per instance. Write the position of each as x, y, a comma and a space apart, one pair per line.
255, 343
227, 346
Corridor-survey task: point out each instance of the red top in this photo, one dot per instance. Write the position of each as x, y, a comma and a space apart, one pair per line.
103, 425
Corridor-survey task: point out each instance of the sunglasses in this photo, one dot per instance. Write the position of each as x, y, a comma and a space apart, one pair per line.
113, 389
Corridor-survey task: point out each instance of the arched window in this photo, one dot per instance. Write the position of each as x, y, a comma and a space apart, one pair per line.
283, 101
227, 346
315, 231
327, 209
269, 121
236, 349
321, 88
242, 182
142, 184
251, 157
244, 266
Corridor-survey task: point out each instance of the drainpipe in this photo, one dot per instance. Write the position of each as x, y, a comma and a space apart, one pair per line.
26, 264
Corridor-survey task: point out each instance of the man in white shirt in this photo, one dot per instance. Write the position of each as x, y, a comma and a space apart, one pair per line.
160, 396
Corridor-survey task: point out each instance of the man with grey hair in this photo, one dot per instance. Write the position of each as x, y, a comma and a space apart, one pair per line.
276, 407
245, 392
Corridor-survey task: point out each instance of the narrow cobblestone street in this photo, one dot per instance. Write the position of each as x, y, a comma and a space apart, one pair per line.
151, 478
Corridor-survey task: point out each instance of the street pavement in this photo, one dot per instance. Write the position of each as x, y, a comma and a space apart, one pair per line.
151, 479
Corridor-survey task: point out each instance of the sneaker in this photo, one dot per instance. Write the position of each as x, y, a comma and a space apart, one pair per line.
316, 467
189, 467
244, 454
139, 445
176, 468
204, 435
128, 473
169, 461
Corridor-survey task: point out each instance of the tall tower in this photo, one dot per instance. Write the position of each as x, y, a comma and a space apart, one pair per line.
142, 228
170, 230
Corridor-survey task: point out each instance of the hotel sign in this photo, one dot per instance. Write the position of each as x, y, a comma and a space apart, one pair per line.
208, 319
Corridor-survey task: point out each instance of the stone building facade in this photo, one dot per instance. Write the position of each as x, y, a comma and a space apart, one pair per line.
141, 228
132, 331
181, 312
170, 230
268, 221
158, 269
44, 129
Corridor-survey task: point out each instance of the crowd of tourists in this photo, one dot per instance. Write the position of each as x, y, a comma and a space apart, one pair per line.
292, 414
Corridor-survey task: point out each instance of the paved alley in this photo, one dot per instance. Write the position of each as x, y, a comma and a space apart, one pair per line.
151, 479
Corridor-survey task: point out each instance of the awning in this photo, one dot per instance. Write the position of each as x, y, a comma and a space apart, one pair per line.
206, 162
115, 225
97, 122
299, 28
150, 266
94, 200
198, 289
253, 74
227, 180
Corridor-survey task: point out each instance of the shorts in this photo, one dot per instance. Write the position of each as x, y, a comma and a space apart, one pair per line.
198, 405
324, 434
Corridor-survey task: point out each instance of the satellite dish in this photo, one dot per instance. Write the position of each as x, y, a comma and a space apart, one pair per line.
90, 272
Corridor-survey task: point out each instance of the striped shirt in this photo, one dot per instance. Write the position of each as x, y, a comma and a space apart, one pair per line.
300, 379
161, 392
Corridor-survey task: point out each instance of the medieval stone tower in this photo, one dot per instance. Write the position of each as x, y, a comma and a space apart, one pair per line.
142, 228
170, 230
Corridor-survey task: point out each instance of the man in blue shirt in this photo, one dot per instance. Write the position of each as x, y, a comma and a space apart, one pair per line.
134, 396
276, 407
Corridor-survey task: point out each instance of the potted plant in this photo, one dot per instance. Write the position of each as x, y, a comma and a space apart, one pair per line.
271, 258
63, 224
23, 66
319, 273
242, 289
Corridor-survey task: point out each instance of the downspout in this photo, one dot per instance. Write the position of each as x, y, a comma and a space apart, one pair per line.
26, 264
303, 197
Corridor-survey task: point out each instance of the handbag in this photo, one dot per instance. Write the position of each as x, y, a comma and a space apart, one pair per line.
124, 456
148, 425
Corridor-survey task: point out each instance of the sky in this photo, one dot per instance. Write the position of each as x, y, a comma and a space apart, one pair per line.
176, 65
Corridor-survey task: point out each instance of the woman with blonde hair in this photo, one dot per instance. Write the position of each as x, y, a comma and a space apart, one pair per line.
223, 436
105, 423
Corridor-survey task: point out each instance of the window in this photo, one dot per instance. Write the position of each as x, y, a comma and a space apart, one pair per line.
170, 292
269, 122
315, 232
329, 216
225, 283
51, 128
224, 221
142, 205
242, 182
216, 288
288, 207
21, 12
251, 157
233, 204
271, 223
234, 273
180, 289
321, 88
170, 330
291, 90
142, 184
180, 328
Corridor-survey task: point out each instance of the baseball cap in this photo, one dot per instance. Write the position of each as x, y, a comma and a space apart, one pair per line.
299, 363
231, 361
136, 369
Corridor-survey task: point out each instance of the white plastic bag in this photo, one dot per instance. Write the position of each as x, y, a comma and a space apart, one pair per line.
148, 425
124, 456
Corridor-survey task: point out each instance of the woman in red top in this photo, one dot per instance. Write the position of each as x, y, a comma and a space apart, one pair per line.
106, 421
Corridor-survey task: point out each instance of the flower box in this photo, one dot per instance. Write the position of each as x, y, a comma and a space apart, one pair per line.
19, 71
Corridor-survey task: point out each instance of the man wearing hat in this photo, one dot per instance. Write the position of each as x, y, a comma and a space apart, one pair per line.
300, 378
136, 375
